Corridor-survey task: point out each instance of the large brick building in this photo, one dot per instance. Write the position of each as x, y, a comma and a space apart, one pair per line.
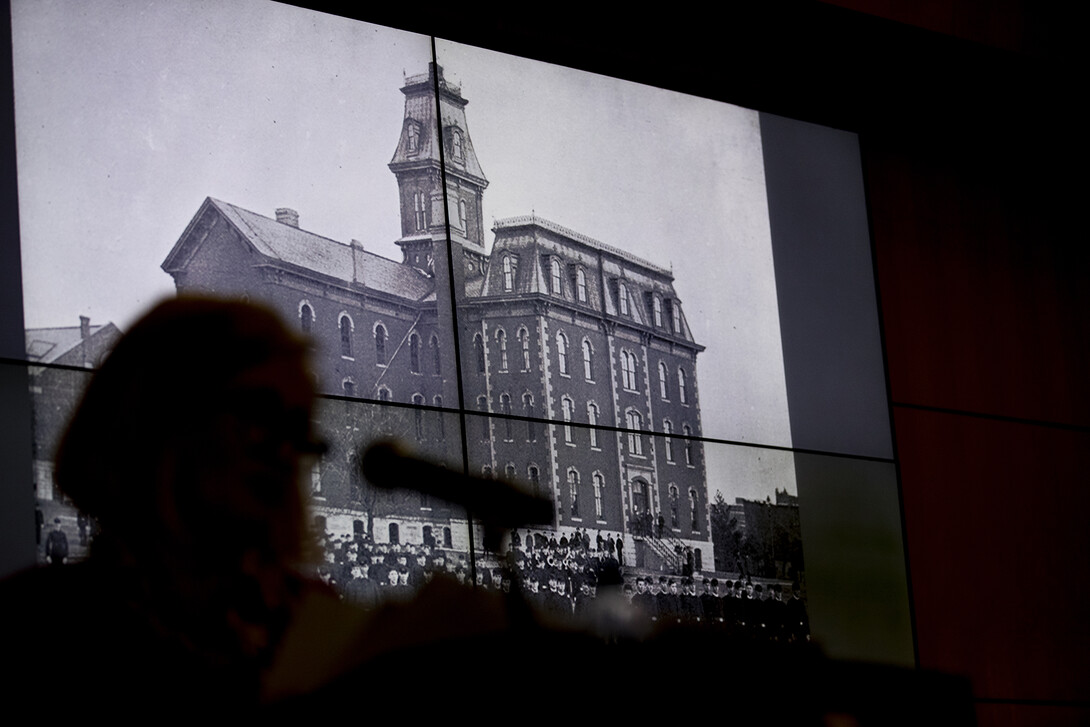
578, 369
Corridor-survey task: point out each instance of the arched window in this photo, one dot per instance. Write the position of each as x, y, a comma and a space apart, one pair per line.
482, 406
639, 495
568, 408
462, 215
413, 134
681, 392
675, 309
501, 340
384, 394
414, 353
306, 317
656, 311
380, 344
673, 507
693, 520
598, 484
346, 335
478, 350
440, 419
668, 443
663, 382
588, 374
688, 432
622, 298
349, 387
573, 491
457, 144
505, 407
562, 353
509, 471
635, 426
524, 341
554, 276
437, 358
508, 273
528, 411
592, 419
418, 416
581, 285
535, 478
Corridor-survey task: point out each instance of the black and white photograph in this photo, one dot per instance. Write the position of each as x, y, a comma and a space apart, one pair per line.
527, 273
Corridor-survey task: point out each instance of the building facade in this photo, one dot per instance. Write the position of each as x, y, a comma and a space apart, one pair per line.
577, 366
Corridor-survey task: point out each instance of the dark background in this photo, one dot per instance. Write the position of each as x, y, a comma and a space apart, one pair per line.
973, 176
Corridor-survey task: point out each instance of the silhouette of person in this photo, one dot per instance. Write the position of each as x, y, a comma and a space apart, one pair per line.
188, 450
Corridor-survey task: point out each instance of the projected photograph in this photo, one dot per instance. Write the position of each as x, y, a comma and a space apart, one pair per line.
565, 276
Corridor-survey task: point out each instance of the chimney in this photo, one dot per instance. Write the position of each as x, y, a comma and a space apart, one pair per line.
357, 261
287, 216
85, 338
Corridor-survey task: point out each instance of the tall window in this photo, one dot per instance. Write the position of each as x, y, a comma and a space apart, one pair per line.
418, 416
440, 420
656, 310
663, 382
554, 276
437, 358
688, 432
535, 479
457, 144
668, 443
673, 507
414, 353
501, 340
380, 345
635, 438
676, 310
628, 370
478, 350
462, 216
346, 336
306, 317
524, 341
622, 298
598, 482
562, 352
581, 285
568, 408
692, 510
588, 374
681, 392
573, 491
505, 407
508, 273
419, 212
413, 133
509, 471
528, 410
592, 418
482, 406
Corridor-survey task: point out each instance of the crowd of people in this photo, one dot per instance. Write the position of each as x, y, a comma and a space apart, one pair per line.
562, 577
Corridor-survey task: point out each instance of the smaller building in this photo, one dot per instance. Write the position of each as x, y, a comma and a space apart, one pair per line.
65, 357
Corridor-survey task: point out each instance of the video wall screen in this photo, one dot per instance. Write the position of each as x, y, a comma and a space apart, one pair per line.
580, 285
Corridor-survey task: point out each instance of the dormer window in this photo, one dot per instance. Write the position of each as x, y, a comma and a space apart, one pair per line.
581, 285
555, 282
622, 298
676, 310
509, 268
412, 135
457, 144
656, 311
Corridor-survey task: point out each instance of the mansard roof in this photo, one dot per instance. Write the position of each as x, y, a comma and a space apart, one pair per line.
293, 246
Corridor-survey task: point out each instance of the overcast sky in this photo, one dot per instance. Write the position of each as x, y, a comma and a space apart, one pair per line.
129, 114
